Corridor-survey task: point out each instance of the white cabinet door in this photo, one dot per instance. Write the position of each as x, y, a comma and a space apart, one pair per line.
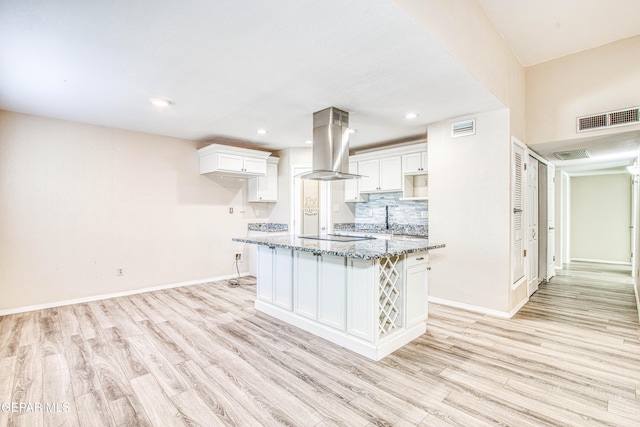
264, 188
417, 288
255, 166
414, 163
283, 278
306, 276
351, 185
275, 276
361, 321
390, 173
230, 162
264, 278
369, 171
331, 291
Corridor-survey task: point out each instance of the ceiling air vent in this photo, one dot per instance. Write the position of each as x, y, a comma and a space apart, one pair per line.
463, 128
572, 155
609, 119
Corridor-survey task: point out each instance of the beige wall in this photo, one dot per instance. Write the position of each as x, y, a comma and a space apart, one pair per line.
469, 200
589, 82
79, 201
465, 31
600, 216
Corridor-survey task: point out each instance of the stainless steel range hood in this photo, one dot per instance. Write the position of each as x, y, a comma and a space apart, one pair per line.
330, 146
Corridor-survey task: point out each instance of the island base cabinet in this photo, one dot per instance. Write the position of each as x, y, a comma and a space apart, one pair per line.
372, 307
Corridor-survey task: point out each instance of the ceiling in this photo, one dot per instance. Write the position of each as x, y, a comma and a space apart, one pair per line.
542, 30
230, 68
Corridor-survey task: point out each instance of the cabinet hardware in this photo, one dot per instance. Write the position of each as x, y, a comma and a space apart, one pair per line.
429, 268
517, 210
420, 259
272, 247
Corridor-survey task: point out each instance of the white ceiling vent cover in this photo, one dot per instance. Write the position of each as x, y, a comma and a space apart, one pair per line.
610, 119
572, 155
463, 128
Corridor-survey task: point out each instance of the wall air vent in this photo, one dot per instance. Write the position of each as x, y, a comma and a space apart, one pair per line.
463, 128
572, 155
626, 117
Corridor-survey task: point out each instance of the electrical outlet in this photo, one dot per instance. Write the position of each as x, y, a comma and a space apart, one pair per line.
230, 210
120, 272
239, 257
257, 212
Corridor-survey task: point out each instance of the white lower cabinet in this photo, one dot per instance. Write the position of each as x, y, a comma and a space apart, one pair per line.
361, 299
321, 291
417, 288
306, 277
372, 307
275, 283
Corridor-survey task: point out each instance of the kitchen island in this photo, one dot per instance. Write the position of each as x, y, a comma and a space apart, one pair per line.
368, 295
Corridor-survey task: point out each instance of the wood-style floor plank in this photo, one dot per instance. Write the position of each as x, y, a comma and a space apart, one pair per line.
202, 355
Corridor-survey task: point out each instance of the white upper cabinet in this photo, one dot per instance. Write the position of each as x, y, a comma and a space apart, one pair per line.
383, 170
414, 163
383, 174
265, 188
351, 186
227, 160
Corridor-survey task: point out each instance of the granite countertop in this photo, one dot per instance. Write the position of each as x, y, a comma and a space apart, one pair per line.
269, 227
362, 249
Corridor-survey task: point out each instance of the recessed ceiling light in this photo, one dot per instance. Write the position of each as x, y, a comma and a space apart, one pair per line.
262, 131
410, 116
308, 141
160, 102
352, 130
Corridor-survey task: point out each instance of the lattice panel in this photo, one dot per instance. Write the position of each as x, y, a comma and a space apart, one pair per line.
388, 297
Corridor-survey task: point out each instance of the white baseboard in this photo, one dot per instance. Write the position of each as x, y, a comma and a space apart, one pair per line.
599, 261
116, 294
474, 308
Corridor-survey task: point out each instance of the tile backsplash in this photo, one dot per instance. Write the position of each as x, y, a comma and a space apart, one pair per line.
401, 212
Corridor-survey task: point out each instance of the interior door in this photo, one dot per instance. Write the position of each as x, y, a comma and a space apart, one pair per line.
551, 221
532, 225
517, 221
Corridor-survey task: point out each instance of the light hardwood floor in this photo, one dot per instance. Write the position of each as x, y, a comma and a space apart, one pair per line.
201, 355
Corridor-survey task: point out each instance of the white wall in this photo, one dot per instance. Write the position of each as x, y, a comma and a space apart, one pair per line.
469, 202
594, 81
79, 201
600, 216
465, 31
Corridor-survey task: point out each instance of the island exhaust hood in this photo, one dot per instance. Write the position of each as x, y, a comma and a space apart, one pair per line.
330, 146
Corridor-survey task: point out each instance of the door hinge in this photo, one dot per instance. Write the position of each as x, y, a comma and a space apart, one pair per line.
525, 166
554, 258
525, 252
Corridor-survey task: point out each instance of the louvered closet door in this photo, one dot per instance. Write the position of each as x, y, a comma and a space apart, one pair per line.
517, 205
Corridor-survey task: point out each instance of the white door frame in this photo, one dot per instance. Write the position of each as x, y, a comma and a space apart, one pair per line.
550, 220
324, 213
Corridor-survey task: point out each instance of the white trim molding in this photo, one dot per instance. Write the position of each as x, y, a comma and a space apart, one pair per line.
478, 309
